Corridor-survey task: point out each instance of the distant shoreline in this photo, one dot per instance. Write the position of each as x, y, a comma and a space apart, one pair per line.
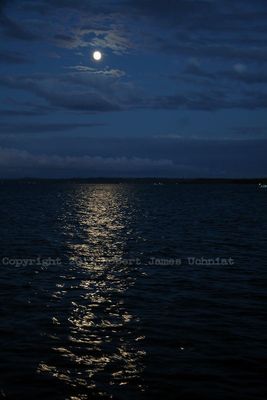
173, 181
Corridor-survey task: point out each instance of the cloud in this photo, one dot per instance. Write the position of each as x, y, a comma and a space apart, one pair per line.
240, 68
12, 107
105, 93
73, 91
11, 28
21, 113
12, 57
193, 157
209, 100
80, 101
210, 50
100, 24
106, 72
206, 29
44, 127
78, 91
251, 131
188, 28
114, 40
247, 77
239, 72
88, 165
193, 67
66, 41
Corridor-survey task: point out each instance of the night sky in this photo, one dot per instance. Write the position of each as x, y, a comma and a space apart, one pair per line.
181, 89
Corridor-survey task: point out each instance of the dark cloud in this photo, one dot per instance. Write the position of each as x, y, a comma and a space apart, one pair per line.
85, 6
67, 91
171, 10
79, 91
13, 107
239, 73
193, 68
250, 131
209, 100
12, 57
203, 15
211, 29
11, 28
22, 160
193, 28
44, 127
80, 101
20, 113
247, 77
142, 157
106, 94
208, 49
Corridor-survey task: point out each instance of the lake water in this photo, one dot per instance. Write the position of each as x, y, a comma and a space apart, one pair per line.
133, 291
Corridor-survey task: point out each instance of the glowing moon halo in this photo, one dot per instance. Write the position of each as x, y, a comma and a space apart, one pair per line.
97, 55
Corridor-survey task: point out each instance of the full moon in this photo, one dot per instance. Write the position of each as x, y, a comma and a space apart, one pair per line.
97, 55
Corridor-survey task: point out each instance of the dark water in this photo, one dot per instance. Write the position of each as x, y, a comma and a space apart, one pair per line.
99, 311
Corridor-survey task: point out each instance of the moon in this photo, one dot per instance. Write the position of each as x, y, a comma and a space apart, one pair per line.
97, 55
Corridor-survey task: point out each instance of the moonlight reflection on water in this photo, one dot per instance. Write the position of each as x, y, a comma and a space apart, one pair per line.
99, 347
